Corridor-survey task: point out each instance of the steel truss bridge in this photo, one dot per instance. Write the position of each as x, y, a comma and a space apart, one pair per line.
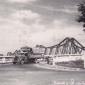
69, 46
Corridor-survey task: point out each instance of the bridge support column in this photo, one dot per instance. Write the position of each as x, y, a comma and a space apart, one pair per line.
51, 49
83, 57
53, 61
45, 51
84, 62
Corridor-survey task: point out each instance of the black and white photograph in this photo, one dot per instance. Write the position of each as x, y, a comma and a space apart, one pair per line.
42, 42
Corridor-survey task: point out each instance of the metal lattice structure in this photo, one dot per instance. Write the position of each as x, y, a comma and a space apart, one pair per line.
69, 46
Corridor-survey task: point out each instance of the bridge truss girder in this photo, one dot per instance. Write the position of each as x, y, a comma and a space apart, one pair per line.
67, 46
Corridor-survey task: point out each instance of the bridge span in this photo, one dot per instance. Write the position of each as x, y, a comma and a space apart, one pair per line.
67, 50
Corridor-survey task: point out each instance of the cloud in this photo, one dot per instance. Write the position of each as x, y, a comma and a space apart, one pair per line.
14, 32
64, 9
25, 27
26, 16
21, 1
57, 31
11, 34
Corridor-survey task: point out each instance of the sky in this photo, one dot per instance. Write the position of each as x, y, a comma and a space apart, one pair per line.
31, 22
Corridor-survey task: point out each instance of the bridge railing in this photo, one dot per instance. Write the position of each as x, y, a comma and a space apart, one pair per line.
6, 59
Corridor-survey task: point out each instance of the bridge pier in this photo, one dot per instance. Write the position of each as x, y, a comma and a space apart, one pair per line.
83, 57
84, 62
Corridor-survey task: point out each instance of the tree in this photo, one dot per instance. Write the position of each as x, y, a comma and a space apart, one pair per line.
81, 17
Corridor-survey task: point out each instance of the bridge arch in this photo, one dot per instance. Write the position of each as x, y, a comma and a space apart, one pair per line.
69, 46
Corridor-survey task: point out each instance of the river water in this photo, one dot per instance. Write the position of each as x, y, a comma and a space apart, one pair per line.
29, 74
